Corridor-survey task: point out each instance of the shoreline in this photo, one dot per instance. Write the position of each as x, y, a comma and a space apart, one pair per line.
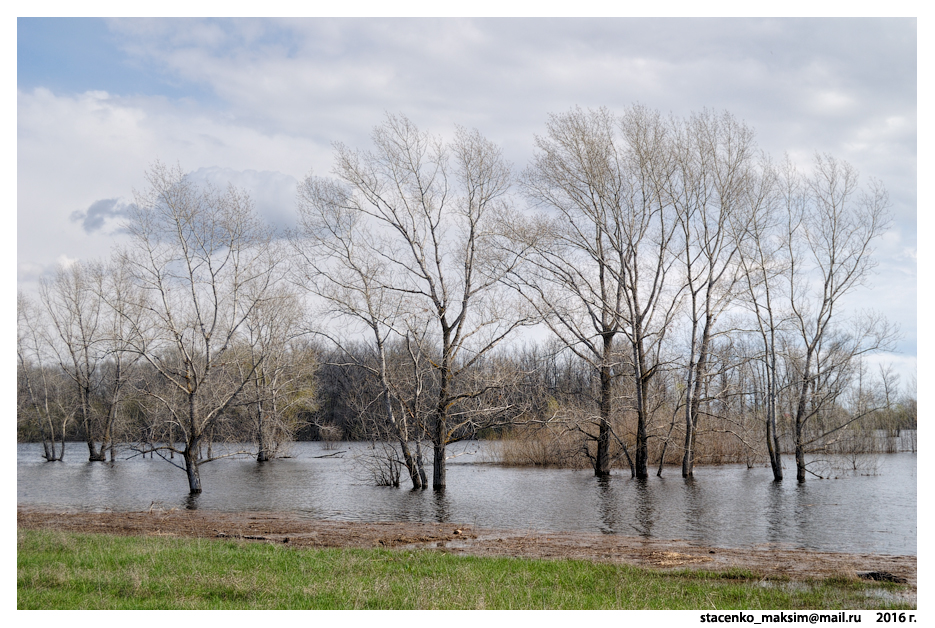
770, 561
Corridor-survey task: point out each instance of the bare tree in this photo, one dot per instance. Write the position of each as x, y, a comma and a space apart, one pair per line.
76, 316
202, 260
283, 367
42, 401
830, 230
710, 191
600, 264
426, 211
341, 262
121, 312
764, 266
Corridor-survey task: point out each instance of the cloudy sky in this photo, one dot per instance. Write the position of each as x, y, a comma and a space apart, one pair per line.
259, 103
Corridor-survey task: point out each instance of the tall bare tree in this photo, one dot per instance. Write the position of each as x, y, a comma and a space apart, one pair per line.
426, 211
42, 399
76, 316
340, 261
761, 257
202, 260
831, 226
281, 388
121, 312
601, 260
710, 189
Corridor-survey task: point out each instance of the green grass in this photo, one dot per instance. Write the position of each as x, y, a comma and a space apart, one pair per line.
57, 570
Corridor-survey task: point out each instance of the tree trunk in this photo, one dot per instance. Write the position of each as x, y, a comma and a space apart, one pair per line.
438, 469
194, 478
800, 417
641, 379
799, 453
772, 435
192, 453
191, 470
602, 459
95, 454
642, 447
262, 453
411, 466
772, 445
419, 463
696, 386
441, 411
688, 458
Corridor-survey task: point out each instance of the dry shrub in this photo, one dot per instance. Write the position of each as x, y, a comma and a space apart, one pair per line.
330, 436
721, 447
547, 446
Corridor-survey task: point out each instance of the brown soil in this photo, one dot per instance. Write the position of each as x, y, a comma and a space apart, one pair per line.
767, 560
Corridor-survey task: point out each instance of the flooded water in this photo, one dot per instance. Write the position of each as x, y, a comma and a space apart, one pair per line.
726, 506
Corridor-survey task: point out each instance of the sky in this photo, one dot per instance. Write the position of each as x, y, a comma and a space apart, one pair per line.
259, 102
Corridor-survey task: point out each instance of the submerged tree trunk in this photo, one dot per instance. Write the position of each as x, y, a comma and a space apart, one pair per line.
440, 440
693, 407
191, 470
772, 436
192, 453
411, 465
262, 454
438, 468
421, 466
800, 413
602, 459
440, 437
95, 454
772, 445
642, 386
191, 456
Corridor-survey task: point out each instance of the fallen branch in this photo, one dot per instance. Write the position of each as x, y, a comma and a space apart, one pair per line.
331, 455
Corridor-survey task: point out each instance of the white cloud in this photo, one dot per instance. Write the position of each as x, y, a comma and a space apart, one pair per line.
76, 151
268, 97
66, 262
273, 193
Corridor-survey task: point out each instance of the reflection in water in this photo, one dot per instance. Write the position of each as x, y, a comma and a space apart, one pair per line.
807, 513
728, 506
442, 506
773, 511
696, 515
645, 511
607, 505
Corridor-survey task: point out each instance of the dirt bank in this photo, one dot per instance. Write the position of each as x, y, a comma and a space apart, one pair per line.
286, 528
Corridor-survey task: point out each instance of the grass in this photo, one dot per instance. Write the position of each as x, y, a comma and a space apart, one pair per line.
57, 570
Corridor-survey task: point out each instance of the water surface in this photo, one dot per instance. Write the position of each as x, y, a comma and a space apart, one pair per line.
726, 506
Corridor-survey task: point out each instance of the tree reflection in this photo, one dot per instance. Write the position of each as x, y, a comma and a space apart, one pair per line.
775, 516
442, 506
696, 510
607, 504
645, 509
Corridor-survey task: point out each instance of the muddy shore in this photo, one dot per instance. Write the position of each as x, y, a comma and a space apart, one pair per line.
285, 528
